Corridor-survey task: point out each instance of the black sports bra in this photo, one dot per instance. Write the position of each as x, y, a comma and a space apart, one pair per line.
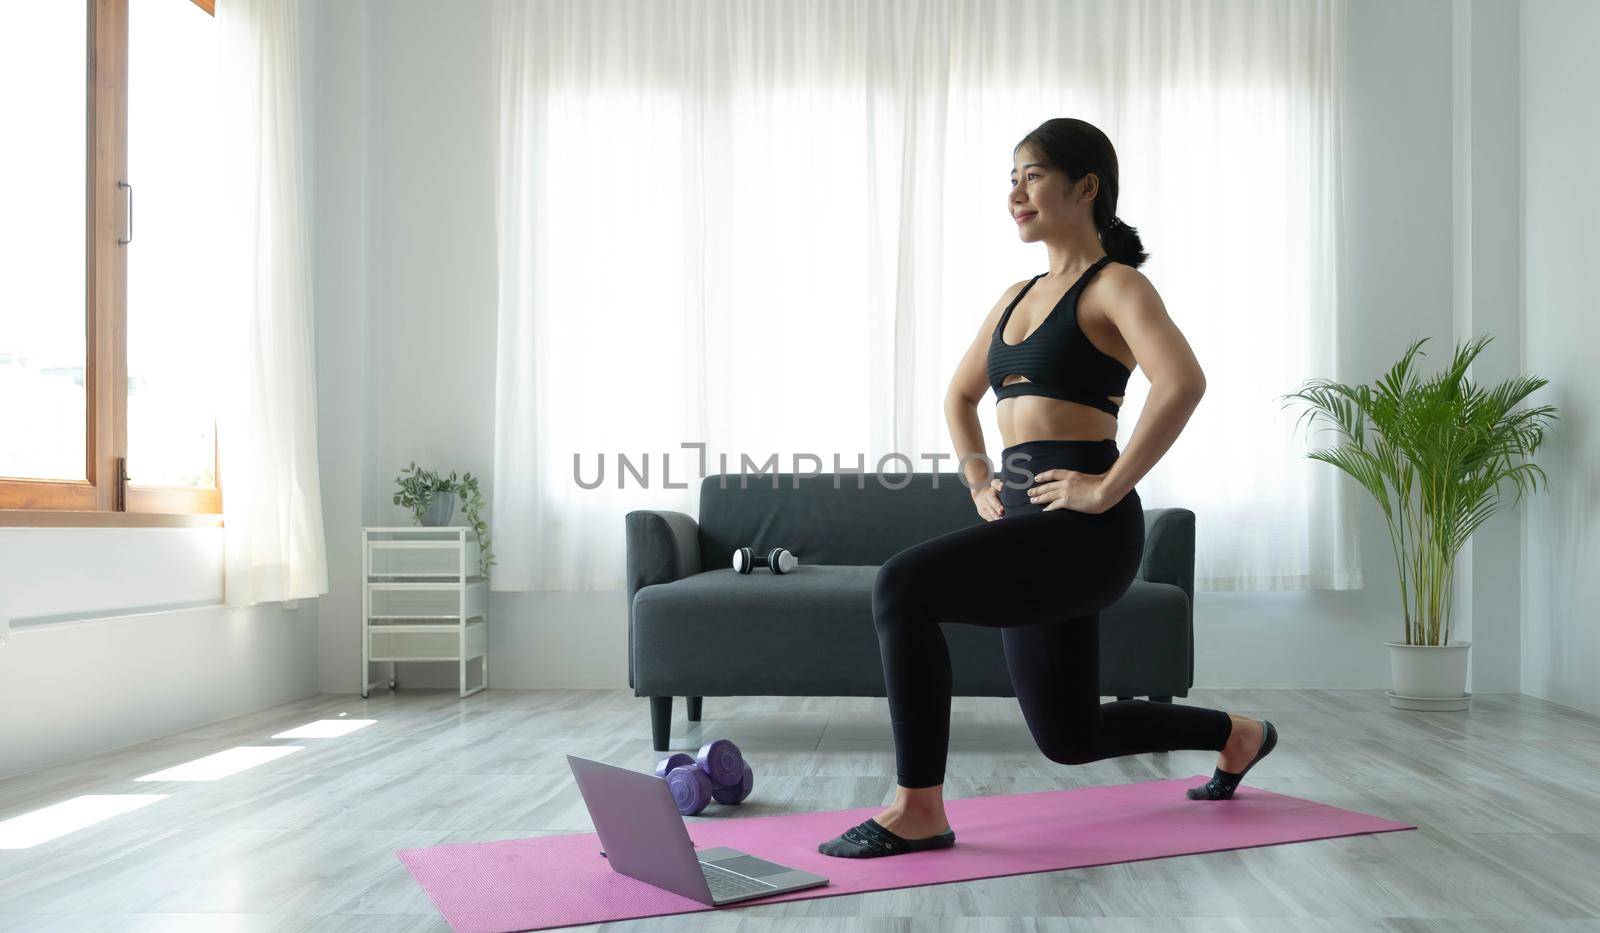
1058, 360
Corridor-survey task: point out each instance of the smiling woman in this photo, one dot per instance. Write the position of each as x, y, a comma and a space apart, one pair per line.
1063, 532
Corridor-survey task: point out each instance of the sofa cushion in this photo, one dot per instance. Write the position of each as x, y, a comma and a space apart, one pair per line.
810, 633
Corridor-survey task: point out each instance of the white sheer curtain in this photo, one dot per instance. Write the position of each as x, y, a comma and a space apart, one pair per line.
267, 427
773, 229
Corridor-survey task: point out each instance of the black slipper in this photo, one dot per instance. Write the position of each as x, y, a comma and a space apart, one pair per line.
870, 840
1224, 783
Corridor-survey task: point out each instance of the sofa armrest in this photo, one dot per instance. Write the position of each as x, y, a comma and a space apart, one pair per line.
1169, 557
1169, 548
661, 547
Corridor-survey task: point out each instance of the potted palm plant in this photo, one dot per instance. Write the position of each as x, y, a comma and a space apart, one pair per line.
1434, 454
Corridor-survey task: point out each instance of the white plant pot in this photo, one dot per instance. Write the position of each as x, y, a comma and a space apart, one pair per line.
1429, 677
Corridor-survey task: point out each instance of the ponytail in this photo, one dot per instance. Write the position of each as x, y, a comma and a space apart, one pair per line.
1122, 243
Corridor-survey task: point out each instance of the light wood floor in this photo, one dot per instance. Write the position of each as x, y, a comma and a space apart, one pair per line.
1506, 797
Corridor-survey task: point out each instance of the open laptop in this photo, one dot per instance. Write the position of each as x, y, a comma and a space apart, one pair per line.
643, 837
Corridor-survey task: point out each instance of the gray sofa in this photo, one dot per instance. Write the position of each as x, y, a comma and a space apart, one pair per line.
696, 628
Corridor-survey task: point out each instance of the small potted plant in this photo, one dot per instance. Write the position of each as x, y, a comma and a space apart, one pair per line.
1433, 454
432, 499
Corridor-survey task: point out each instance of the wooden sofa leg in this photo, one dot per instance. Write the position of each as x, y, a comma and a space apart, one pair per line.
660, 721
1124, 698
694, 708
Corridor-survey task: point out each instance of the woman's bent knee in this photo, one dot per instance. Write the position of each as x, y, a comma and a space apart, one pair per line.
1067, 746
1069, 754
895, 590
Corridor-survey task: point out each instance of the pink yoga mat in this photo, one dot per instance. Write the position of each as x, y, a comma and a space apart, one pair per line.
532, 884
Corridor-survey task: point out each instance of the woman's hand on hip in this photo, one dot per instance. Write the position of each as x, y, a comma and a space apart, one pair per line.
987, 500
1069, 489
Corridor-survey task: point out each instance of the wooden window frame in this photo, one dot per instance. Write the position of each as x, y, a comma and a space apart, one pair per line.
105, 498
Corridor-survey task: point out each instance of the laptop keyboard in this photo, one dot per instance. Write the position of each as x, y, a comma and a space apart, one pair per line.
727, 884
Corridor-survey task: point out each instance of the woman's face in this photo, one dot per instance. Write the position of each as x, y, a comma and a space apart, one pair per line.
1040, 199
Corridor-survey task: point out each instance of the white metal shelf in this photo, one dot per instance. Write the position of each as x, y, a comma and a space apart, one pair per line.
444, 617
406, 576
419, 531
411, 587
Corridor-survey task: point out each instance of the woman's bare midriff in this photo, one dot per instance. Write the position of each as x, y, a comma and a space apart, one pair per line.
1039, 417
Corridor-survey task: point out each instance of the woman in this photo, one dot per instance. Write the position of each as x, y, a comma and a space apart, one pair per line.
1058, 350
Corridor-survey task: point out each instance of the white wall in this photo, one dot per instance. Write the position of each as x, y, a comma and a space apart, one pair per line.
431, 330
69, 688
1488, 280
1561, 256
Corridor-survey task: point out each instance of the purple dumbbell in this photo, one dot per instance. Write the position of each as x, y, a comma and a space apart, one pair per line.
721, 761
675, 760
691, 789
735, 793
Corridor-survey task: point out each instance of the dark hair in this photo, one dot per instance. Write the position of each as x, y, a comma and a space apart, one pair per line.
1078, 148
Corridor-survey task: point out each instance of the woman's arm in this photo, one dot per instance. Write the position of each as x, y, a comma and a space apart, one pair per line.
1176, 380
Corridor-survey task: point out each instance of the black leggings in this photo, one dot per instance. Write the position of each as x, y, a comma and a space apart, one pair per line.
1042, 578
